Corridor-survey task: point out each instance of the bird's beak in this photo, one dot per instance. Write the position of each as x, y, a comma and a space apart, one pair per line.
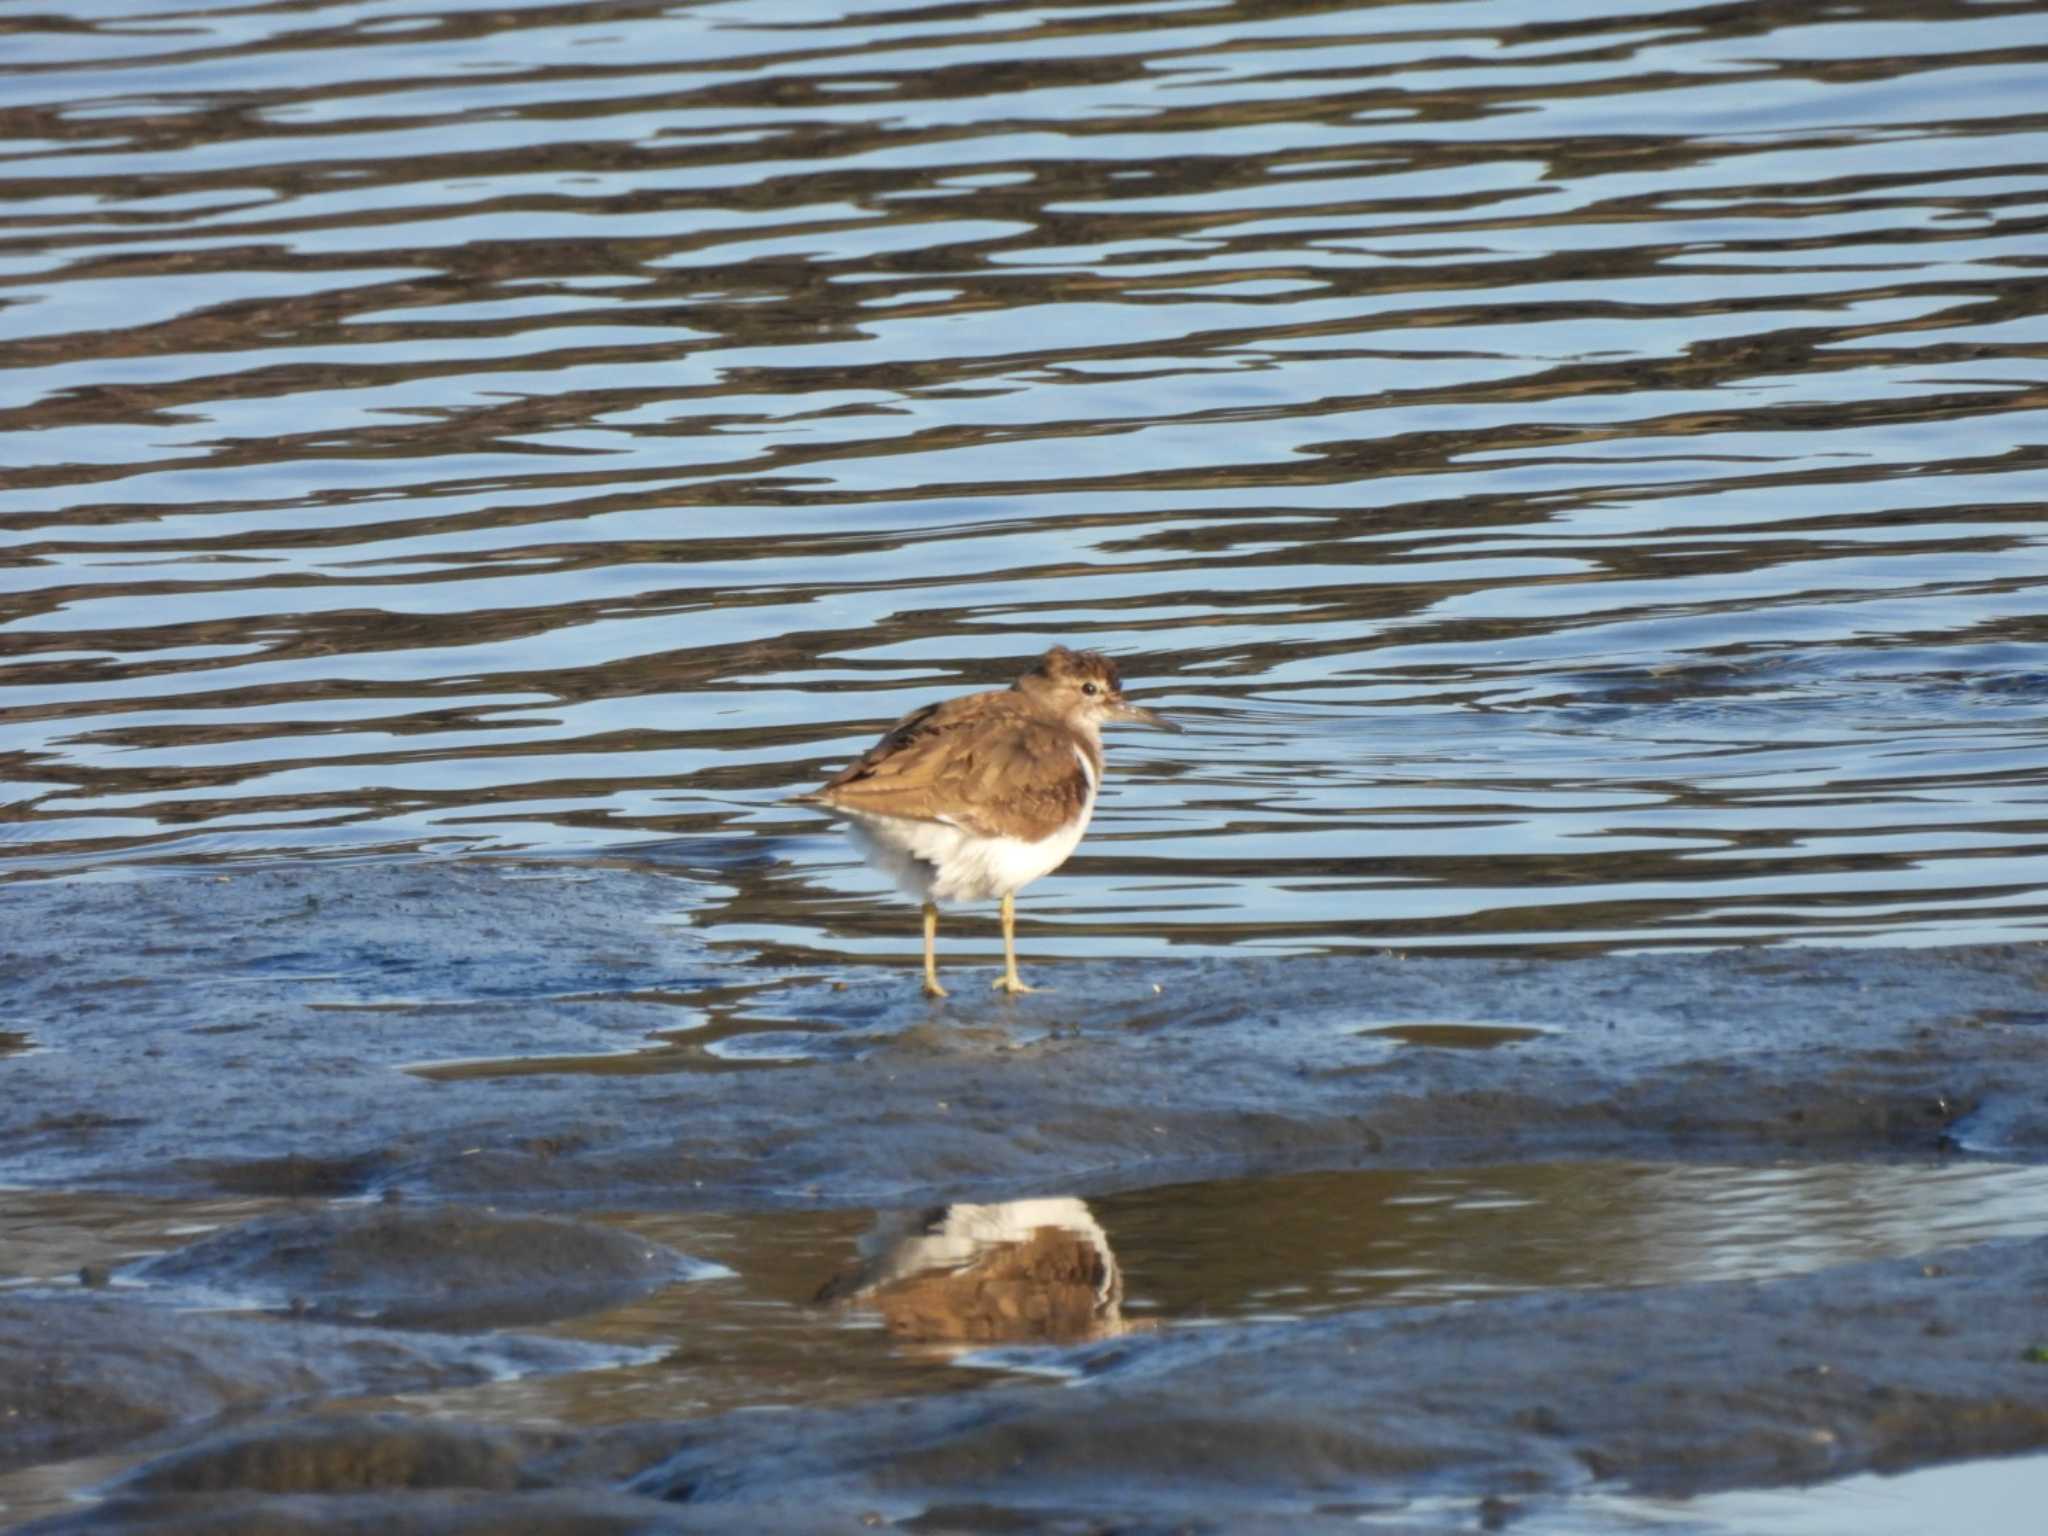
1122, 713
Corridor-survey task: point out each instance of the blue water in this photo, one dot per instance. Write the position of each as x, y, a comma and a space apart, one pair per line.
1576, 470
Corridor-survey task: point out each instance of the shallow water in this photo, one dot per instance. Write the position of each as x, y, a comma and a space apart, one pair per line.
1989, 1498
816, 1307
813, 1306
1575, 468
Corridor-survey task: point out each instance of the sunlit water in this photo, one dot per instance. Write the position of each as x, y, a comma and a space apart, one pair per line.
1577, 469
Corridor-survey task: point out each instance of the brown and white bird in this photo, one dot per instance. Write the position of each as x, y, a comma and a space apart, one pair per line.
978, 796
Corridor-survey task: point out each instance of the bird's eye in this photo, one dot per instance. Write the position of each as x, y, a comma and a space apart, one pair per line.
1090, 689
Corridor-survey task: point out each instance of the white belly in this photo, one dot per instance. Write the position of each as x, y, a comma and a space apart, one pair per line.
937, 861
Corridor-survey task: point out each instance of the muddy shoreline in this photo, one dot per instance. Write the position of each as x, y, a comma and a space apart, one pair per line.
446, 1040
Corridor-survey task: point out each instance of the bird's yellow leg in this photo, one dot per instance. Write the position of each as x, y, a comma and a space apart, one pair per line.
1008, 981
931, 952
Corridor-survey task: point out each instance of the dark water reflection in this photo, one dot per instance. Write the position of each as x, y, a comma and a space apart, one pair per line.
1577, 469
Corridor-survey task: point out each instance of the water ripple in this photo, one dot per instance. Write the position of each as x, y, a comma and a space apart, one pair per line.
1577, 470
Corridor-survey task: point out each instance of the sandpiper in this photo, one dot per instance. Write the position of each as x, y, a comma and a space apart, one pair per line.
976, 797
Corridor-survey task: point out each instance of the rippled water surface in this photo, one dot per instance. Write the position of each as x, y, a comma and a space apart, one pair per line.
1576, 469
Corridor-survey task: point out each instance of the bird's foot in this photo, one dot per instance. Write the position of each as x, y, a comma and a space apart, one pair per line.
933, 990
1009, 982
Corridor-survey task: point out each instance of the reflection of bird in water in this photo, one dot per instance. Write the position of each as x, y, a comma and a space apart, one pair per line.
1020, 1271
976, 797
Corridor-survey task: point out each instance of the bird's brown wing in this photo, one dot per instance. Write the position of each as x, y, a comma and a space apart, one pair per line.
987, 763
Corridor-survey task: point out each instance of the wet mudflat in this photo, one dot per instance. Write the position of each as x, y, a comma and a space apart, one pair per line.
1574, 470
1177, 1243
